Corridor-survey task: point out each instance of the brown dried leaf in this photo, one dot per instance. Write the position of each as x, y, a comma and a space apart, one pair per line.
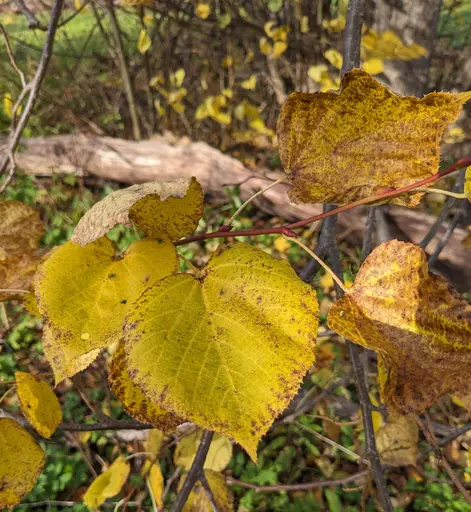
338, 147
418, 324
397, 441
114, 208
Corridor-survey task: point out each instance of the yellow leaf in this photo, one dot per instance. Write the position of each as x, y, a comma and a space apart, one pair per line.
21, 462
156, 80
334, 57
278, 49
227, 62
198, 500
265, 47
108, 484
114, 208
323, 136
304, 24
144, 42
373, 66
418, 324
315, 72
268, 27
219, 455
326, 282
250, 83
202, 10
38, 403
84, 437
178, 106
159, 108
201, 112
397, 441
176, 79
230, 358
8, 105
259, 126
171, 217
222, 117
335, 24
30, 304
227, 93
154, 442
467, 183
282, 245
134, 400
86, 292
455, 134
155, 480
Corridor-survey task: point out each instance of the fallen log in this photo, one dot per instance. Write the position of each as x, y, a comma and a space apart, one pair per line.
166, 158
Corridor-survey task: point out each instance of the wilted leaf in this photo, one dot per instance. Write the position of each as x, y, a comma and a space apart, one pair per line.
134, 400
323, 136
397, 441
198, 500
334, 57
420, 327
219, 455
227, 348
84, 293
373, 66
202, 10
38, 403
21, 462
250, 83
20, 229
467, 183
17, 273
171, 218
144, 42
155, 480
108, 484
114, 208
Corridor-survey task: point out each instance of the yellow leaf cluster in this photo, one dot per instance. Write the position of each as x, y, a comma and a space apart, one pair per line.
20, 232
38, 403
246, 111
388, 45
276, 45
323, 136
213, 107
420, 327
108, 484
21, 462
227, 348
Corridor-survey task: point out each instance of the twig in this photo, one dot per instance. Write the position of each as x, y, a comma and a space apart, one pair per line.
12, 58
34, 87
169, 483
457, 195
195, 471
298, 487
108, 425
33, 22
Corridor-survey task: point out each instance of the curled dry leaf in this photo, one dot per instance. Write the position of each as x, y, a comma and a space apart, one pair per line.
219, 454
420, 327
84, 294
227, 348
108, 484
38, 403
21, 462
134, 400
20, 232
397, 441
198, 500
114, 209
388, 140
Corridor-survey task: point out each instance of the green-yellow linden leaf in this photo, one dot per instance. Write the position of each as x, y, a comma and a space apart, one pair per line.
171, 218
219, 454
21, 462
198, 500
390, 140
467, 183
418, 324
114, 208
38, 403
227, 348
108, 484
84, 294
134, 400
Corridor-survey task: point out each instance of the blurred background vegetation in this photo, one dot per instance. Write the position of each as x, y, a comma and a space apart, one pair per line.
215, 71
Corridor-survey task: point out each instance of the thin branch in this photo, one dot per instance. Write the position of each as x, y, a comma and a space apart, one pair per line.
321, 263
195, 471
298, 487
108, 425
209, 492
12, 57
440, 191
35, 86
33, 22
455, 434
